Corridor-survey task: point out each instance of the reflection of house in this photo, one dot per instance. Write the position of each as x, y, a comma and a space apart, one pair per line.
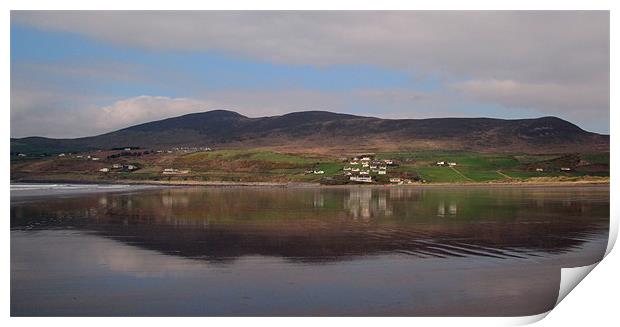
441, 209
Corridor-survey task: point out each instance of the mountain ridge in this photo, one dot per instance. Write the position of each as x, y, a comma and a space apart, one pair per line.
330, 130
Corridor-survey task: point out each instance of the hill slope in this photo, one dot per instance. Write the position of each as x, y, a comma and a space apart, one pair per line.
326, 130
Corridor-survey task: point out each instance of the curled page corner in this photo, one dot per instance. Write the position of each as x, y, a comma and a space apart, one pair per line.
570, 278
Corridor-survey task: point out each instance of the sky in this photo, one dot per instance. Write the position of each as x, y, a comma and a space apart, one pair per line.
83, 73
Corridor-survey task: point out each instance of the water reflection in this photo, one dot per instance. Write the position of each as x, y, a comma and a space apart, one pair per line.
315, 225
350, 251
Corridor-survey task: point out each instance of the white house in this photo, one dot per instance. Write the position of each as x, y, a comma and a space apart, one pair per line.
388, 162
95, 159
365, 179
354, 163
373, 167
382, 172
451, 164
441, 163
104, 170
364, 173
395, 180
355, 169
565, 169
117, 166
365, 159
61, 155
346, 168
318, 172
539, 169
131, 167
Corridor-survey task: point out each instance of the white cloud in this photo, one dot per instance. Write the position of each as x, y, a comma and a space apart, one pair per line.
545, 97
521, 45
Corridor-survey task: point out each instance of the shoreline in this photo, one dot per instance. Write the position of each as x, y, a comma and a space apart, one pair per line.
317, 185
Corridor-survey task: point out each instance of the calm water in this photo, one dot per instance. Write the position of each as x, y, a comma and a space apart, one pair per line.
307, 251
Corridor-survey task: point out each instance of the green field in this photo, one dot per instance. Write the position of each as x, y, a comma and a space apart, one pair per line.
485, 167
260, 165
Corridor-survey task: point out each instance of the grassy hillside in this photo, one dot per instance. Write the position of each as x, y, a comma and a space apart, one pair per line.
259, 165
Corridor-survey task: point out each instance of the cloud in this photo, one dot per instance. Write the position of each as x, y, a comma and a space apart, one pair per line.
546, 97
540, 62
520, 45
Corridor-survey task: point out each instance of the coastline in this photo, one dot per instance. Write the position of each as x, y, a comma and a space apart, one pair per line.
601, 182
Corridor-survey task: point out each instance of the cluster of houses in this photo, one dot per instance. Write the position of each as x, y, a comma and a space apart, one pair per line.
84, 157
362, 169
446, 164
564, 169
118, 167
186, 149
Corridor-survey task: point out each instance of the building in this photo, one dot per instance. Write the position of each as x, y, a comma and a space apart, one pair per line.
131, 167
382, 172
61, 155
117, 166
565, 169
395, 180
441, 163
355, 169
362, 179
539, 169
95, 159
451, 164
318, 172
104, 170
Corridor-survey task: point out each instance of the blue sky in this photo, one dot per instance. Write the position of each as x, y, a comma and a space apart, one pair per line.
74, 76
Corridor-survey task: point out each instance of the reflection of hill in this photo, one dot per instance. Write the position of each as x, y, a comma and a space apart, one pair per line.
332, 224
